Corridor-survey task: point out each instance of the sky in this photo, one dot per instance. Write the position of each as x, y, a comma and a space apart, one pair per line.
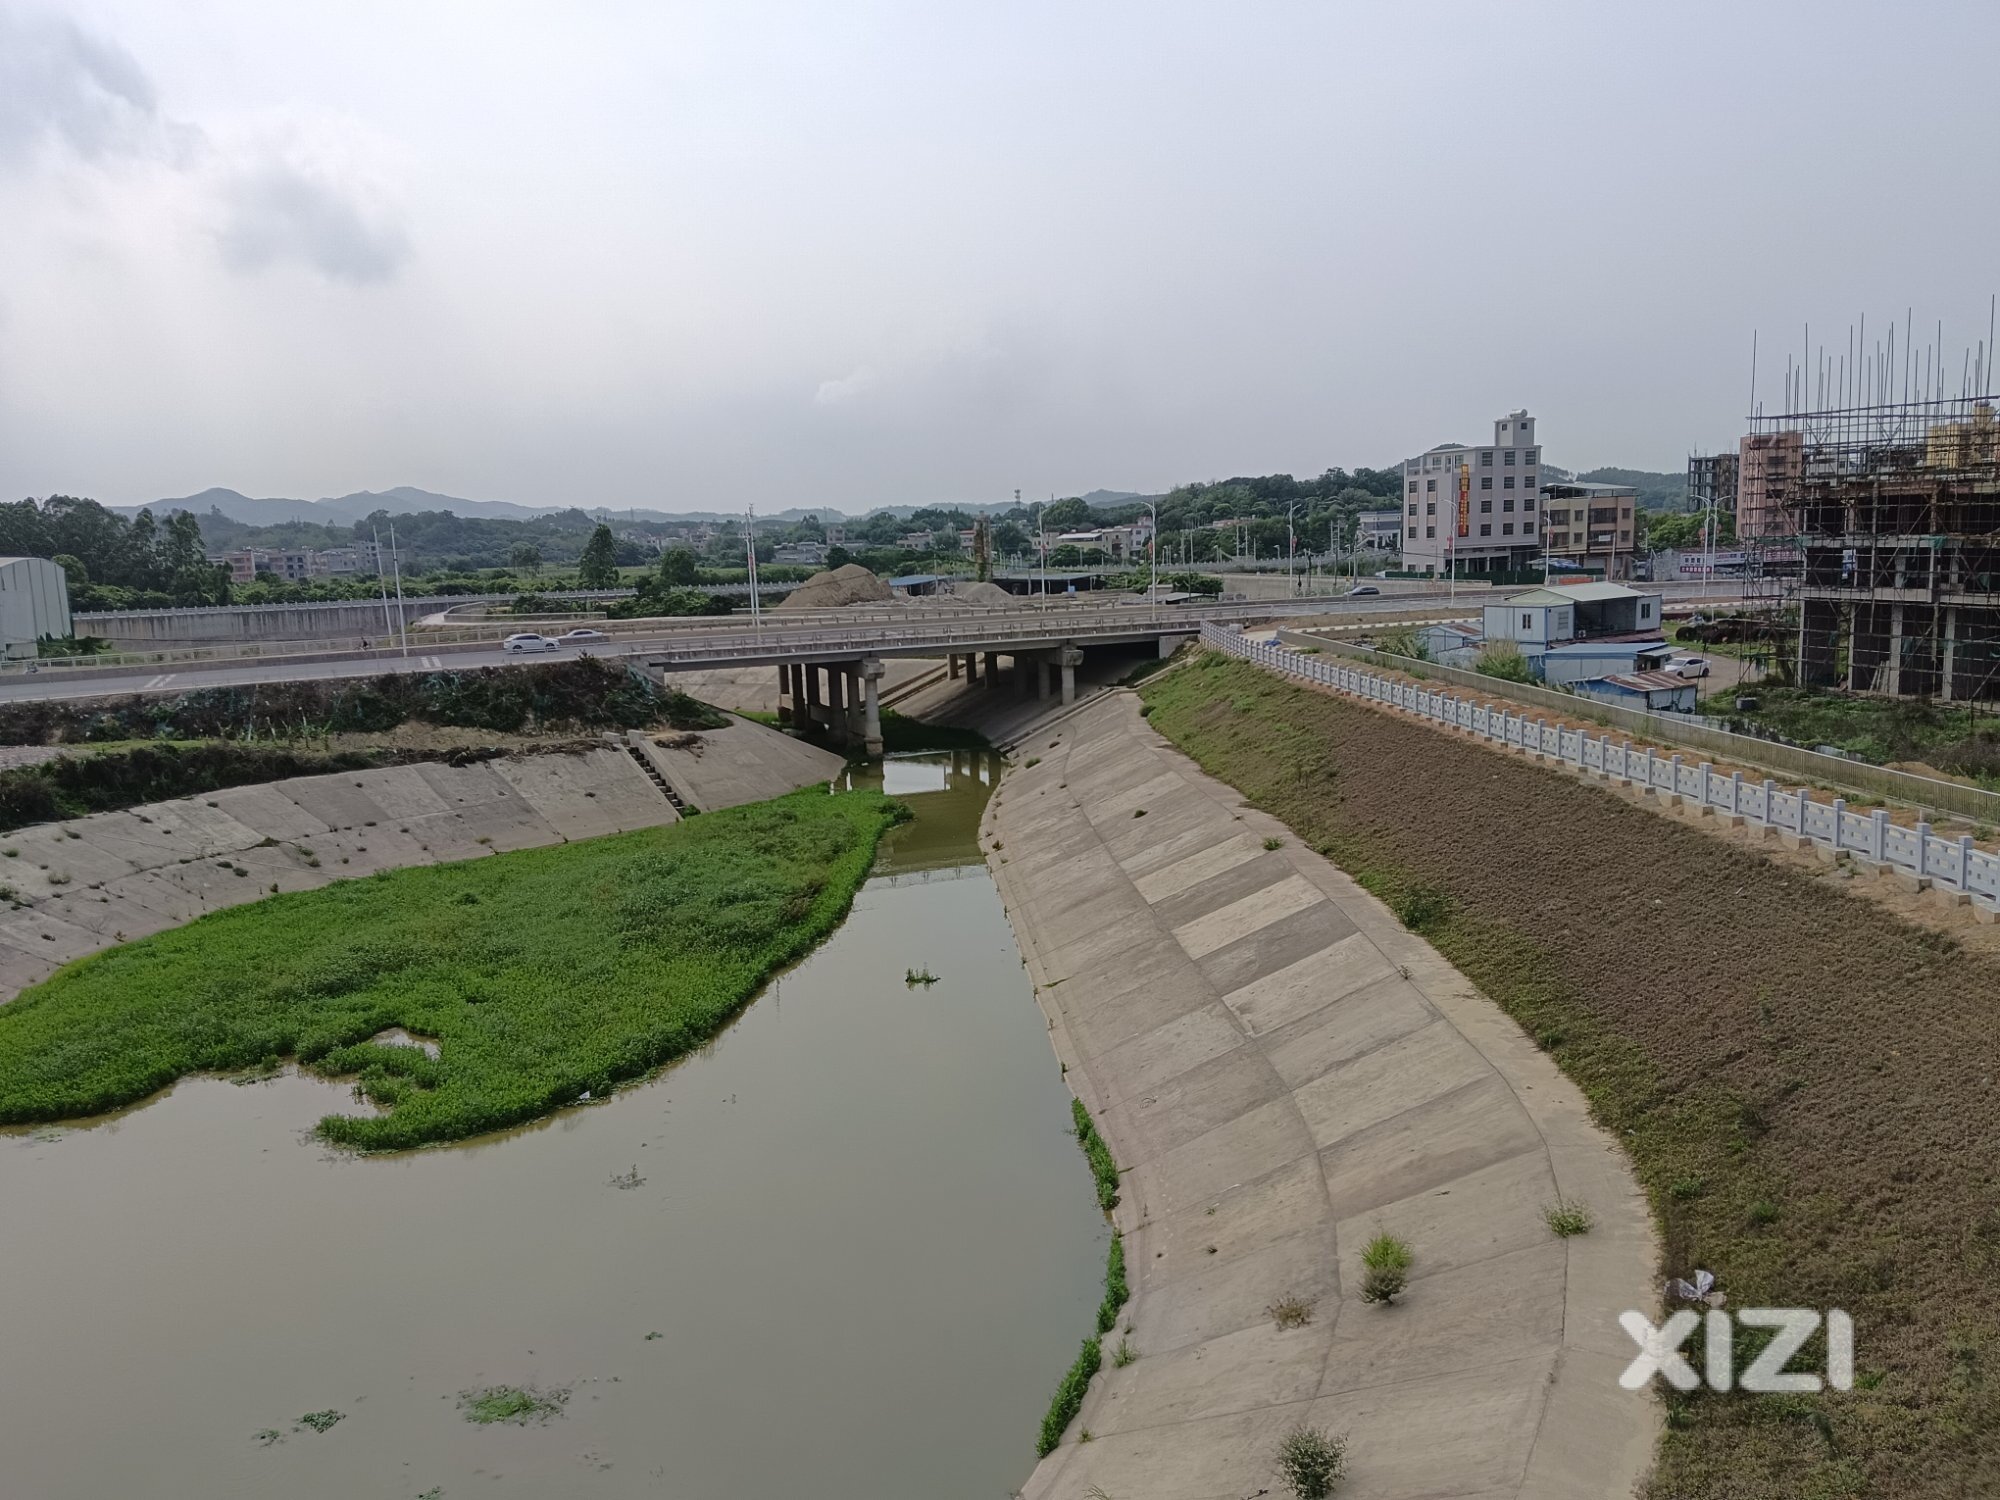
708, 256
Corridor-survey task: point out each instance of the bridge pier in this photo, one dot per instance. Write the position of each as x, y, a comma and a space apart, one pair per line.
1042, 675
1072, 658
992, 669
871, 670
1019, 672
838, 726
951, 666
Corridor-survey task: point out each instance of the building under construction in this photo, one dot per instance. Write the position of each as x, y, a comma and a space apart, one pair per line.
1893, 510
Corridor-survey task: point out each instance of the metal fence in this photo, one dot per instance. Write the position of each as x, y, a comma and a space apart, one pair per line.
1952, 863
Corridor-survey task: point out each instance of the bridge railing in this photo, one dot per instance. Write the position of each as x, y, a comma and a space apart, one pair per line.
1956, 864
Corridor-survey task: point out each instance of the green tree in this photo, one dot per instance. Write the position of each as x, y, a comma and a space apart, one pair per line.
1067, 515
526, 555
73, 570
838, 556
597, 568
678, 568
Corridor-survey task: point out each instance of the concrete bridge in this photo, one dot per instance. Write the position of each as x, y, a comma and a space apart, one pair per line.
830, 676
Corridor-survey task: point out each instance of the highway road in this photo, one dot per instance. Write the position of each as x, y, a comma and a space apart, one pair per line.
729, 637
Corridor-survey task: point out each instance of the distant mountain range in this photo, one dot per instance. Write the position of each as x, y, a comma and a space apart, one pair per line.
342, 510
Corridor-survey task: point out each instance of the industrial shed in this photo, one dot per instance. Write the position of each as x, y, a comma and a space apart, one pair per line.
34, 603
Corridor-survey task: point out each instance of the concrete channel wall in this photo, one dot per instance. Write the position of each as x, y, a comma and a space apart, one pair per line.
1949, 864
1282, 1071
94, 882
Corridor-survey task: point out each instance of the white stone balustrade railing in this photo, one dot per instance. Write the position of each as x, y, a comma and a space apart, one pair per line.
1950, 864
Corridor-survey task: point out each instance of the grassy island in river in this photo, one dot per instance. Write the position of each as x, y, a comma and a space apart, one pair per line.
540, 974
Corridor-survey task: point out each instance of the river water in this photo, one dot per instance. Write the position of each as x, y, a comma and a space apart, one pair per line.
845, 1251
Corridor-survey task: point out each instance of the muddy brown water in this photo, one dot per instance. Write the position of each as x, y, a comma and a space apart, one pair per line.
859, 1229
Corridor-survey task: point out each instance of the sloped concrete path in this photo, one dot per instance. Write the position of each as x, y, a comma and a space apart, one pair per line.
93, 882
1282, 1071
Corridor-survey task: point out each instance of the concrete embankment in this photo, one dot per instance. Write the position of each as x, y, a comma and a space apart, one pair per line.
1284, 1071
87, 884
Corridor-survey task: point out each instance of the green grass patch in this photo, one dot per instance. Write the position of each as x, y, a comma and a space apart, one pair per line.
543, 975
1961, 740
512, 1405
1102, 1167
1069, 1396
104, 780
1116, 1292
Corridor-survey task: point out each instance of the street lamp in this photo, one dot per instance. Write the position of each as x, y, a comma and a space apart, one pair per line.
1153, 548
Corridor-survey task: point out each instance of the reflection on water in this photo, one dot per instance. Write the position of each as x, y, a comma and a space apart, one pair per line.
947, 790
856, 1226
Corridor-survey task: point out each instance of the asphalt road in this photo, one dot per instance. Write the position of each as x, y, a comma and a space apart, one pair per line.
166, 678
236, 674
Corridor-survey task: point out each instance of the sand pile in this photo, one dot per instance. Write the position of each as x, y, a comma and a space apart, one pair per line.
982, 594
852, 584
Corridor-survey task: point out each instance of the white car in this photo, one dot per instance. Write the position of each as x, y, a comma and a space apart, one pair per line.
530, 642
580, 637
1688, 666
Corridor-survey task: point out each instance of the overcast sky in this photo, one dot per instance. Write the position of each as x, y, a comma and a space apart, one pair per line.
693, 256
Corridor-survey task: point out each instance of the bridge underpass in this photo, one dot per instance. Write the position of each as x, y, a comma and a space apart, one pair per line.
832, 679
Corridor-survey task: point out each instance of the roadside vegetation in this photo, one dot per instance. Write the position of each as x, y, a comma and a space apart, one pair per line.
545, 976
1802, 1081
583, 693
1075, 1384
76, 785
1958, 740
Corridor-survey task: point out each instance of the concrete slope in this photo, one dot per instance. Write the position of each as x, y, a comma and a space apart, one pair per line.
93, 882
748, 762
1282, 1071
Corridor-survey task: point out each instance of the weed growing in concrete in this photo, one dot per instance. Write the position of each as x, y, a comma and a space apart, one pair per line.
1069, 1396
1382, 1284
1138, 812
1102, 1167
1274, 843
1566, 1217
627, 1180
1031, 762
581, 966
267, 1436
1124, 1354
1310, 1462
1387, 1262
514, 1404
915, 977
322, 1421
1291, 1312
1116, 1292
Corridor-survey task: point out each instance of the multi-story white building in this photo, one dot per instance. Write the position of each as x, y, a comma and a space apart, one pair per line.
1474, 510
1379, 531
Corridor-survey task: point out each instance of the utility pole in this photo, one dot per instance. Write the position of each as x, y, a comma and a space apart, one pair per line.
382, 582
750, 550
1153, 547
396, 557
1291, 550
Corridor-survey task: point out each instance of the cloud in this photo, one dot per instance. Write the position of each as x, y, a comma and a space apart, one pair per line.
58, 83
856, 382
280, 190
281, 211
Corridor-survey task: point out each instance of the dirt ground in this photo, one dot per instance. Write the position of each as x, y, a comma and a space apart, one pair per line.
1805, 1080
